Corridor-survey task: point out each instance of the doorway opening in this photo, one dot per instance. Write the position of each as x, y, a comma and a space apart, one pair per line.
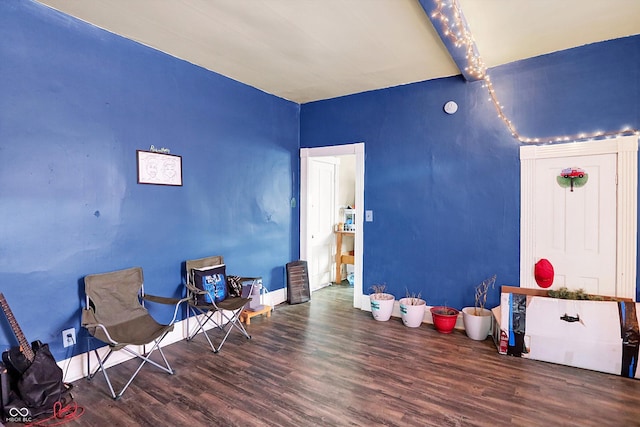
307, 219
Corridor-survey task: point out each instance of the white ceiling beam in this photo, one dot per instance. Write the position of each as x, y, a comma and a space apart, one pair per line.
450, 24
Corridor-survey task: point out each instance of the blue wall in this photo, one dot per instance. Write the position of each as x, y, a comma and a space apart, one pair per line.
76, 103
445, 190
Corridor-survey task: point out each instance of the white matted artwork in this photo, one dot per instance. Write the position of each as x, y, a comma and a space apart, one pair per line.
159, 168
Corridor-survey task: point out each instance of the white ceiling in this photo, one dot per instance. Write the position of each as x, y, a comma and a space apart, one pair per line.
306, 50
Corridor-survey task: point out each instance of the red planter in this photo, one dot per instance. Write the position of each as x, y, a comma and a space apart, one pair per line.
444, 318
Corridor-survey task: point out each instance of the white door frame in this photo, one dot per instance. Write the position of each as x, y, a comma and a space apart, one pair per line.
626, 149
356, 149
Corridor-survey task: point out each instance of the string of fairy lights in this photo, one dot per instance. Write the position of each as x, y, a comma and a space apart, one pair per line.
456, 30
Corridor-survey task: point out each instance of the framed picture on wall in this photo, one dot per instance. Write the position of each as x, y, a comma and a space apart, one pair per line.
159, 168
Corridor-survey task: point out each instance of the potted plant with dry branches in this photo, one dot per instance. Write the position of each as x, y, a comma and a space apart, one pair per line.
412, 309
444, 318
477, 319
381, 302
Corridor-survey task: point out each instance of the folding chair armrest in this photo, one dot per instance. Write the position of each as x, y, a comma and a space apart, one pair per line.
104, 329
161, 300
194, 289
89, 322
167, 301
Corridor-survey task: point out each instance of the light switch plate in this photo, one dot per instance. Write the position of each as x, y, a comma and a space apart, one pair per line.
368, 216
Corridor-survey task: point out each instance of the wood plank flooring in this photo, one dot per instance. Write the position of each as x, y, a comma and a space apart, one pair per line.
324, 363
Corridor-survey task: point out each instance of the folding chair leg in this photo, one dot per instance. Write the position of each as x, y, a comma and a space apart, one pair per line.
143, 357
201, 324
232, 321
100, 367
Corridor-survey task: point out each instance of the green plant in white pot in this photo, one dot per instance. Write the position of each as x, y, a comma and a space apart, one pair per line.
412, 310
477, 319
381, 303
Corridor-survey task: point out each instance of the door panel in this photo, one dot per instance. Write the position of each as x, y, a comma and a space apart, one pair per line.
576, 230
322, 174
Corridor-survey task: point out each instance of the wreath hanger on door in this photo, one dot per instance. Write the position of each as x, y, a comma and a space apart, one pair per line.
572, 177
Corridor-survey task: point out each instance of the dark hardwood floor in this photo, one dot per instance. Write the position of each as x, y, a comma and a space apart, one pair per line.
324, 363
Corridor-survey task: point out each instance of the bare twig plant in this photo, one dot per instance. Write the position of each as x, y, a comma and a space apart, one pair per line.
413, 298
481, 294
378, 291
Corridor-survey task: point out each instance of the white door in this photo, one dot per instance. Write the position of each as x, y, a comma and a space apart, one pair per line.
322, 178
576, 235
575, 229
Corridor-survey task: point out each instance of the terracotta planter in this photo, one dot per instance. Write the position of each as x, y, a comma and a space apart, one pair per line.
382, 306
444, 318
412, 314
476, 326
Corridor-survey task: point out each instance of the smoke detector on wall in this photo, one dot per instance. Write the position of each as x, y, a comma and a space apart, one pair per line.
450, 107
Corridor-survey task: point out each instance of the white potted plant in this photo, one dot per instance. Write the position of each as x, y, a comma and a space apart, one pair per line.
477, 319
381, 303
412, 310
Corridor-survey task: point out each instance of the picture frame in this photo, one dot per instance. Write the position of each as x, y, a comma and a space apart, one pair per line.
159, 168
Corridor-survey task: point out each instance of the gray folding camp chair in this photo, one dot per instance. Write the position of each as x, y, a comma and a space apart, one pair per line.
224, 315
115, 314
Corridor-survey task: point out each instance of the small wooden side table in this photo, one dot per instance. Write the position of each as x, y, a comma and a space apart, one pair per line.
248, 314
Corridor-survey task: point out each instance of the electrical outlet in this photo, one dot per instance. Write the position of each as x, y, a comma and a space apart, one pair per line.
69, 337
